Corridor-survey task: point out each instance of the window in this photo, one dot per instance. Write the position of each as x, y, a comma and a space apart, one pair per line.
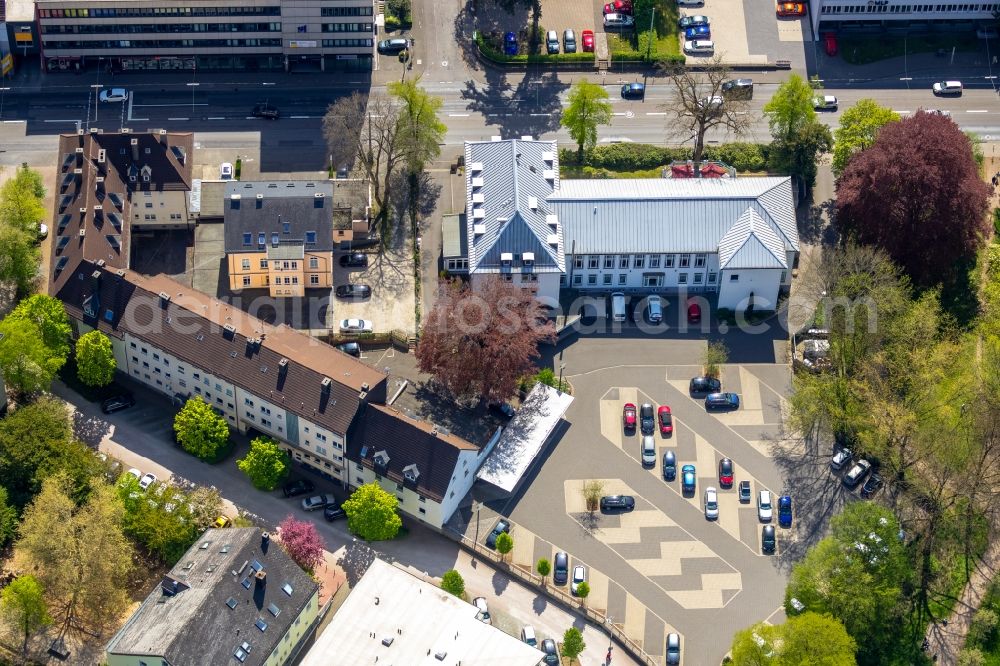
592, 261
699, 261
156, 357
668, 261
313, 279
607, 278
654, 261
310, 236
422, 498
784, 276
682, 278
577, 280
735, 277
577, 262
422, 510
711, 277
248, 239
263, 264
609, 261
286, 227
622, 278
274, 239
698, 277
685, 260
640, 261
591, 279
623, 261
245, 264
313, 263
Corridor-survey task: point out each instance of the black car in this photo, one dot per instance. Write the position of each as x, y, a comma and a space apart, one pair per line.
549, 648
617, 502
767, 539
633, 91
117, 403
704, 385
872, 486
353, 291
333, 512
393, 46
669, 466
857, 473
352, 348
738, 89
502, 527
298, 487
354, 260
560, 568
646, 419
266, 111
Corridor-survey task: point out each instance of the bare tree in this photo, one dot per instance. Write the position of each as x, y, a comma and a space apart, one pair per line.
699, 105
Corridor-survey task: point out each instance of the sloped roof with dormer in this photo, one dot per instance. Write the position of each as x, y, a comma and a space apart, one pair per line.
751, 243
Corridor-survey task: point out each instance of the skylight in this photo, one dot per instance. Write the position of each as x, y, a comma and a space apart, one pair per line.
261, 624
246, 582
287, 588
231, 603
274, 610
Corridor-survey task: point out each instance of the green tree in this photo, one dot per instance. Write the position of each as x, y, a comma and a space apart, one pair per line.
95, 359
8, 519
859, 127
19, 256
90, 589
371, 513
419, 130
504, 544
754, 646
200, 430
22, 606
716, 355
49, 315
592, 491
21, 201
27, 364
971, 656
587, 107
583, 591
812, 638
453, 583
266, 464
573, 645
798, 155
790, 109
543, 567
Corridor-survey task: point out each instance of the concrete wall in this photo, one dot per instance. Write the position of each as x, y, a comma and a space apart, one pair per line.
763, 283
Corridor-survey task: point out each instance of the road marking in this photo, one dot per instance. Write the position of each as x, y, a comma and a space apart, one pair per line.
300, 116
458, 115
138, 106
540, 115
10, 122
74, 120
656, 113
216, 118
977, 111
250, 118
178, 119
619, 113
902, 112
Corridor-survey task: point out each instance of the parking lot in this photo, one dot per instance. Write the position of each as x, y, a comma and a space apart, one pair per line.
390, 275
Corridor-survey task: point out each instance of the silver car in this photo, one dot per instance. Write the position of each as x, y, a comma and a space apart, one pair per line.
648, 451
711, 504
579, 576
316, 502
355, 326
673, 649
764, 510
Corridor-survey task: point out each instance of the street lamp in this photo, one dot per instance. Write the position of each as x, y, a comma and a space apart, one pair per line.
608, 620
562, 366
192, 85
476, 505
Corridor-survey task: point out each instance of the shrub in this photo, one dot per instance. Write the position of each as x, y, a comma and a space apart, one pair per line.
452, 583
740, 156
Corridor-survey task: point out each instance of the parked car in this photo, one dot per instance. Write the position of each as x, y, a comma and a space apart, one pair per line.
298, 487
628, 416
711, 503
857, 473
688, 479
704, 386
617, 503
698, 32
764, 510
699, 47
222, 522
114, 95
43, 231
722, 401
738, 89
354, 260
502, 527
768, 541
226, 171
117, 403
136, 473
353, 291
688, 21
633, 91
947, 88
587, 37
825, 103
830, 43
654, 309
265, 111
551, 654
552, 42
560, 568
393, 46
484, 611
510, 44
648, 451
785, 511
579, 576
666, 419
352, 348
316, 502
726, 473
673, 649
504, 409
694, 313
669, 465
646, 423
618, 21
744, 492
618, 7
333, 512
147, 480
528, 635
569, 41
872, 486
791, 9
840, 459
356, 326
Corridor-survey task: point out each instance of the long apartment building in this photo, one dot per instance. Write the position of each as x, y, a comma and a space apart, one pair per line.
242, 35
904, 16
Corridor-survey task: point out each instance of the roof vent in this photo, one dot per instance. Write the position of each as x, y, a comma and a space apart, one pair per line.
479, 229
326, 384
283, 365
120, 272
553, 240
387, 641
228, 331
440, 655
533, 203
527, 137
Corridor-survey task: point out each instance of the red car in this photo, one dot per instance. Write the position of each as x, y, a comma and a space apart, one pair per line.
666, 420
830, 40
628, 416
694, 313
618, 7
726, 473
588, 41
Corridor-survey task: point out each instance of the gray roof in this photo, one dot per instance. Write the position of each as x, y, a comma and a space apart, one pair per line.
516, 180
194, 625
453, 243
265, 207
751, 243
667, 215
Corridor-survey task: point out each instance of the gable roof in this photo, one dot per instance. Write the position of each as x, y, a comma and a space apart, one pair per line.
96, 177
221, 338
406, 441
195, 625
751, 243
507, 185
265, 207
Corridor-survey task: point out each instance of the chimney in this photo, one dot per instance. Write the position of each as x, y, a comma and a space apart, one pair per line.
326, 384
163, 137
265, 541
135, 149
79, 156
282, 366
228, 331
100, 263
318, 200
260, 200
164, 299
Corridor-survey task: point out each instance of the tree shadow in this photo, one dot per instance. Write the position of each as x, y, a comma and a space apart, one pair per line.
500, 583
539, 604
357, 557
89, 429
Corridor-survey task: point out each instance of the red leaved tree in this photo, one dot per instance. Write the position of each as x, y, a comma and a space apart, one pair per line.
480, 342
302, 542
916, 194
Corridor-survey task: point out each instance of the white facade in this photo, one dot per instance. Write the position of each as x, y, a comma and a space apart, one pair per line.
739, 285
833, 14
647, 271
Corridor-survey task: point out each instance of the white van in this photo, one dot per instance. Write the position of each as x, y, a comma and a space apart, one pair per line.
528, 635
654, 309
618, 306
947, 88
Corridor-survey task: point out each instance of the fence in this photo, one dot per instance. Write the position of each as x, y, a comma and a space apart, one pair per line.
568, 601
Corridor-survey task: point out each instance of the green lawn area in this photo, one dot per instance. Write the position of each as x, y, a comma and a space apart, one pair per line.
665, 37
988, 641
862, 50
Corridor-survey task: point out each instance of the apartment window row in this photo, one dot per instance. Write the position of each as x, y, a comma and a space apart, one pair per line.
333, 43
158, 43
458, 264
347, 27
346, 11
626, 261
143, 28
607, 279
883, 6
129, 12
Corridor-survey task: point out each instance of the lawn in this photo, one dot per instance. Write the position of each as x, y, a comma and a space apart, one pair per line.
862, 50
665, 37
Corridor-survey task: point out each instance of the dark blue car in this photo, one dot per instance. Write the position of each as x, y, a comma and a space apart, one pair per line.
633, 91
785, 511
510, 44
722, 401
698, 32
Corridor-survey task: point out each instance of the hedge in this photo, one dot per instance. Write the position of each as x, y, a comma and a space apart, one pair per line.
490, 53
640, 156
